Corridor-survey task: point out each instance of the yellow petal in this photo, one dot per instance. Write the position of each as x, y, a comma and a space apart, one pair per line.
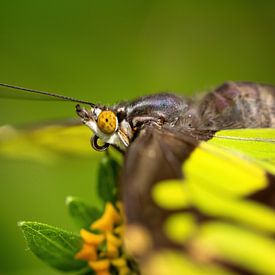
119, 230
120, 207
100, 265
119, 262
113, 240
124, 271
87, 252
108, 219
112, 251
91, 238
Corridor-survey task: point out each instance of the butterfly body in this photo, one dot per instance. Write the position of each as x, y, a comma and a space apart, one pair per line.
161, 151
239, 105
231, 106
217, 186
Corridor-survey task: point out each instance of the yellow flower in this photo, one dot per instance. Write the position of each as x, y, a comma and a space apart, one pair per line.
105, 249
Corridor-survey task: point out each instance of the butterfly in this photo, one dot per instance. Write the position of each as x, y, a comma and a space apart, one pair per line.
198, 178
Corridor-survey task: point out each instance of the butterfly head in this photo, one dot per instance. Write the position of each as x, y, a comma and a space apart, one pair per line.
119, 124
108, 127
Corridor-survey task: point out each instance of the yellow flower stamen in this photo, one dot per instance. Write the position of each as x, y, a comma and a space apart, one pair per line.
99, 258
121, 265
120, 262
109, 219
119, 230
120, 207
124, 271
91, 238
100, 264
112, 251
87, 253
113, 240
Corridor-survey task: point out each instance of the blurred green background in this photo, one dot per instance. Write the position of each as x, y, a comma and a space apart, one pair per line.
106, 51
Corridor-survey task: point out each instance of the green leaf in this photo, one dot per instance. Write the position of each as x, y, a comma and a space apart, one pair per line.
107, 179
86, 271
54, 246
82, 212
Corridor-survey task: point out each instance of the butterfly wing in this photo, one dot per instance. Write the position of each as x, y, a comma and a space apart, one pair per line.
154, 156
206, 218
256, 144
45, 142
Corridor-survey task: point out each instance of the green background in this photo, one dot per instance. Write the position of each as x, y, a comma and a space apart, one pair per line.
106, 51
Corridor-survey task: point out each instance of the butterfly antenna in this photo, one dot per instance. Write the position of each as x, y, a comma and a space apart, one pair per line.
62, 97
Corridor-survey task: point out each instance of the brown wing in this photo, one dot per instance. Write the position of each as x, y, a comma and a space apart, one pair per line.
154, 156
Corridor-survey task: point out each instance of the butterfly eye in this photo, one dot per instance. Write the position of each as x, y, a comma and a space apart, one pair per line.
107, 122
